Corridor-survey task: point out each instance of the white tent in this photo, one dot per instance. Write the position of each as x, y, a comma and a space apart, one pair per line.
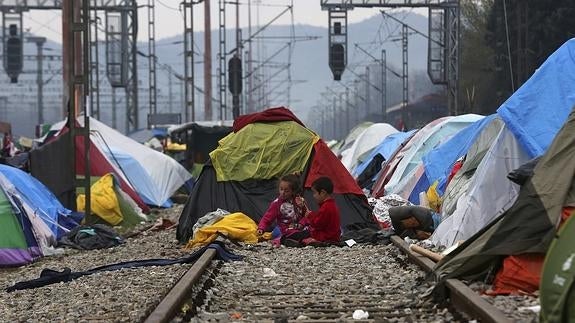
166, 175
367, 140
489, 194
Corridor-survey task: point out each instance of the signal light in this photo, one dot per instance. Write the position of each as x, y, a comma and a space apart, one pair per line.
235, 75
13, 58
337, 60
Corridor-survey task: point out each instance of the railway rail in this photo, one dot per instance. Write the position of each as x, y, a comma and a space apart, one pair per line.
318, 285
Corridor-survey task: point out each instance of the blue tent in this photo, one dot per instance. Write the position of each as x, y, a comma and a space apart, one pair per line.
538, 109
439, 161
44, 203
386, 148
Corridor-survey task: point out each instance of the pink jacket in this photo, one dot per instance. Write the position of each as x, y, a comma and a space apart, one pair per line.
285, 213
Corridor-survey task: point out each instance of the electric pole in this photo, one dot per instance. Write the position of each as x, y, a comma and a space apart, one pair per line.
383, 85
39, 78
207, 62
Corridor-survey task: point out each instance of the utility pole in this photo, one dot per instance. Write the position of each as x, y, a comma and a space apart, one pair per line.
207, 62
75, 37
114, 116
334, 118
188, 92
39, 79
152, 78
347, 109
170, 83
250, 105
404, 115
236, 74
383, 85
367, 92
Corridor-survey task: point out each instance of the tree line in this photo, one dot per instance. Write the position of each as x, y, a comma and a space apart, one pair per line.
503, 42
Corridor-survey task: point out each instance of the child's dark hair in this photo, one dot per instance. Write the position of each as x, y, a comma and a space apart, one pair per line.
323, 183
294, 183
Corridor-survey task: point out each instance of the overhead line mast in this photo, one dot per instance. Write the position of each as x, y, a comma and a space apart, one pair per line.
443, 61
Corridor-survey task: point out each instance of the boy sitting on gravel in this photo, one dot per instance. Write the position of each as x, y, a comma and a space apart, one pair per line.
324, 224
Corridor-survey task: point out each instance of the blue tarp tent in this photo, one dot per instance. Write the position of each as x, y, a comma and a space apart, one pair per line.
386, 148
439, 161
43, 202
538, 109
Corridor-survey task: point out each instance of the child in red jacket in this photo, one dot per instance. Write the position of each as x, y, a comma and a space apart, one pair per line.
324, 224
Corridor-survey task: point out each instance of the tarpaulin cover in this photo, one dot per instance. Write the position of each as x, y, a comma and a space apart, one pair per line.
262, 151
538, 109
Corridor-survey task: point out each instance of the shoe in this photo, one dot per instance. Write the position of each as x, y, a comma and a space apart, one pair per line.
314, 243
292, 243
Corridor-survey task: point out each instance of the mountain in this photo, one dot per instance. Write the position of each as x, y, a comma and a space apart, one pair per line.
310, 73
309, 64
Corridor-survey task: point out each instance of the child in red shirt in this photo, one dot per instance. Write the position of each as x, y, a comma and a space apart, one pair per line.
324, 224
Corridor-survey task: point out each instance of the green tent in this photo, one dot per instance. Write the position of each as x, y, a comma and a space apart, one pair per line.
18, 245
557, 281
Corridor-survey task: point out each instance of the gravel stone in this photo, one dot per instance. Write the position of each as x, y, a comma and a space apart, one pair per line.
271, 283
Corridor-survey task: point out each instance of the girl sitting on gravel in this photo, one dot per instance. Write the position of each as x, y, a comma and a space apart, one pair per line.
287, 210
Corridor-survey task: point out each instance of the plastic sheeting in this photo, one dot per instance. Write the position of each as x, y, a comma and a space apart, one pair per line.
490, 193
402, 180
139, 178
263, 151
538, 109
37, 196
439, 161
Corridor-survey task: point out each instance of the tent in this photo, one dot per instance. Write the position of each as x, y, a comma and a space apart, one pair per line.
489, 193
56, 151
165, 173
18, 244
459, 184
410, 169
136, 173
385, 148
367, 140
557, 280
346, 143
439, 161
34, 195
242, 173
390, 166
530, 224
532, 117
366, 171
200, 140
31, 218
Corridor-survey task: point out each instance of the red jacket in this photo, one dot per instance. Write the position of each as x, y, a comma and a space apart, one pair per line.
325, 224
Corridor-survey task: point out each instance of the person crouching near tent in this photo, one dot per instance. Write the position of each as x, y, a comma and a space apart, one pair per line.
324, 224
287, 210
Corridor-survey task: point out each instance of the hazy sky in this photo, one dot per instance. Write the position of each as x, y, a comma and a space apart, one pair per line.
169, 17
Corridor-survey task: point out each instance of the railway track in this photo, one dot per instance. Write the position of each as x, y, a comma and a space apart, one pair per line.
317, 285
